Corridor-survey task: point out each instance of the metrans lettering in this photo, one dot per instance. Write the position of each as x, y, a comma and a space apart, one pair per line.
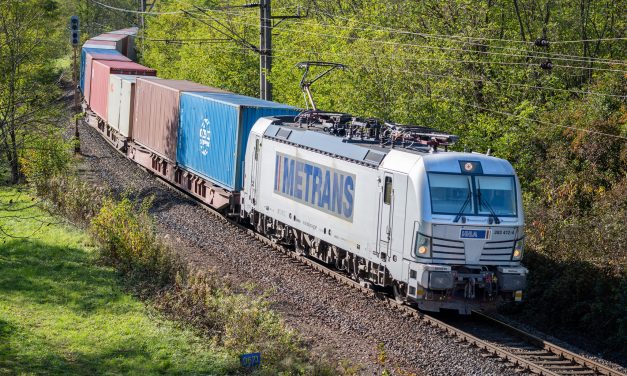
327, 189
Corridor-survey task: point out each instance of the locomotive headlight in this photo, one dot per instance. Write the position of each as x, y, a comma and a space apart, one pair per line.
518, 249
423, 245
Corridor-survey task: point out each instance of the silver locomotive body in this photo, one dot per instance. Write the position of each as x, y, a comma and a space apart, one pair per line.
441, 229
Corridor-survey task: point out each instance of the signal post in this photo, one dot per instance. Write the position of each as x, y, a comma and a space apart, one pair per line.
75, 40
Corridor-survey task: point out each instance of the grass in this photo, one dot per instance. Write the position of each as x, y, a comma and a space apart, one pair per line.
61, 312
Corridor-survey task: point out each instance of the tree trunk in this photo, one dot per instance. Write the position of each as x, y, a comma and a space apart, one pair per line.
522, 28
14, 162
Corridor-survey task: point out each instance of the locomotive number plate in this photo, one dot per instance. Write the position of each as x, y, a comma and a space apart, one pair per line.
474, 234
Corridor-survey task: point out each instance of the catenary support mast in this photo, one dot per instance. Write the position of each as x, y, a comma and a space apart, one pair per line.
265, 56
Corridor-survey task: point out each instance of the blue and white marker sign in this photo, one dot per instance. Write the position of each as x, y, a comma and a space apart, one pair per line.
250, 360
474, 234
320, 187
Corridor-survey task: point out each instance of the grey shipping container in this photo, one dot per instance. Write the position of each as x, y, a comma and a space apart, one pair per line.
156, 113
214, 131
121, 103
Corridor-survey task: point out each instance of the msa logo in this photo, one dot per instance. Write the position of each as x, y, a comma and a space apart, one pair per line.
205, 137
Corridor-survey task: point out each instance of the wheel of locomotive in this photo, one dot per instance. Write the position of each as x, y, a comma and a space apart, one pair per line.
260, 225
399, 293
299, 250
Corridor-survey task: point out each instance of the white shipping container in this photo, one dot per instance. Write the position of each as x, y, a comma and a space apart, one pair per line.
121, 103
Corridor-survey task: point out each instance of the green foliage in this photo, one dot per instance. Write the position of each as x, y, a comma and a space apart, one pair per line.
128, 238
576, 207
240, 322
48, 156
236, 322
64, 313
96, 19
28, 76
73, 197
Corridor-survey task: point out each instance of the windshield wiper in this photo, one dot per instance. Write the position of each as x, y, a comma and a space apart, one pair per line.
461, 211
482, 201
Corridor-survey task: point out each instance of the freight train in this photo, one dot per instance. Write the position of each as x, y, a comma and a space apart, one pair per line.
386, 203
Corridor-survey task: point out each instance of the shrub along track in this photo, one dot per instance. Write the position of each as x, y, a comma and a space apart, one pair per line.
336, 322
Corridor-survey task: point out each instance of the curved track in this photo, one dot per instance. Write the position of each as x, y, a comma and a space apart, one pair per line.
494, 337
526, 350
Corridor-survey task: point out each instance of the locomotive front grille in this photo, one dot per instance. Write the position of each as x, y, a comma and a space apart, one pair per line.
497, 251
447, 250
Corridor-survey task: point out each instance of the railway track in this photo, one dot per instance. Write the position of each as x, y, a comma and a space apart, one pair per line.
495, 338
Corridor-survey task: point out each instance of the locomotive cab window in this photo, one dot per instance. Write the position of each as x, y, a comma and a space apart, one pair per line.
472, 195
451, 194
496, 194
387, 191
257, 149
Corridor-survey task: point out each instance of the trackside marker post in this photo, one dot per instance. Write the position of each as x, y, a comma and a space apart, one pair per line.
250, 360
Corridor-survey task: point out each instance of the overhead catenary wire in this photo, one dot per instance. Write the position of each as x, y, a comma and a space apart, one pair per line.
529, 54
290, 56
522, 53
401, 31
190, 40
470, 39
152, 13
589, 40
456, 38
505, 113
419, 46
590, 131
420, 72
463, 103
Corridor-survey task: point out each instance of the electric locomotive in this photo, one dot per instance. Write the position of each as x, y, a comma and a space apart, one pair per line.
390, 206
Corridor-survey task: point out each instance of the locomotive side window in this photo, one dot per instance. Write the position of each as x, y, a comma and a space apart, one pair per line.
387, 191
257, 149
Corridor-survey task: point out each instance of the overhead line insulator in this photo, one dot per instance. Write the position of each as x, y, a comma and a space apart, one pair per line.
546, 65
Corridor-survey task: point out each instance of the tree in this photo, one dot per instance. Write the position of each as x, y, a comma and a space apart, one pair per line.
27, 75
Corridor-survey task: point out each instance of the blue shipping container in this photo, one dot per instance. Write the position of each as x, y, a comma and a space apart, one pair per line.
84, 52
213, 133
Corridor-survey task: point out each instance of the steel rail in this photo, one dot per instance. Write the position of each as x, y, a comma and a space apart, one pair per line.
550, 347
472, 340
486, 346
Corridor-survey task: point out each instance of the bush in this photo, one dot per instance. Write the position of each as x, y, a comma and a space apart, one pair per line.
239, 322
46, 158
128, 238
75, 199
47, 164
